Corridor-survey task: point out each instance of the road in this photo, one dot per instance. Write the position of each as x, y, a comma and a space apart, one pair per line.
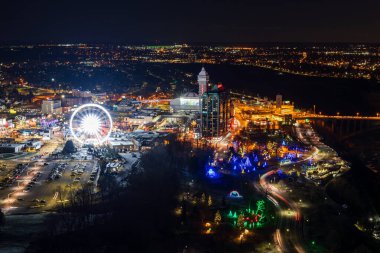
289, 228
288, 236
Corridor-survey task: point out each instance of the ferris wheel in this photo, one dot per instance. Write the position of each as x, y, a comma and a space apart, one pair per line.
91, 124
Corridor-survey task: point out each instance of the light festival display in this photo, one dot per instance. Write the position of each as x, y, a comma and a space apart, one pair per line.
235, 195
249, 218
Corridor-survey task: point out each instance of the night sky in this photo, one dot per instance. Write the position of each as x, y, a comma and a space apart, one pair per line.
168, 21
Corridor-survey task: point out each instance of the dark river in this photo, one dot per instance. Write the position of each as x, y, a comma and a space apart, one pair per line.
330, 95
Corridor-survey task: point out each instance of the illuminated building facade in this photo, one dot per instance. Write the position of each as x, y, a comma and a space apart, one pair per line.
215, 112
278, 101
203, 81
51, 107
189, 102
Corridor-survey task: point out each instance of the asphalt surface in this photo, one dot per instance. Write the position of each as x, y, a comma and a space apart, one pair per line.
45, 194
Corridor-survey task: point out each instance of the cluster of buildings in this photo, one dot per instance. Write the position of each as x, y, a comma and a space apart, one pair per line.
210, 110
67, 101
134, 141
9, 145
25, 134
211, 107
212, 103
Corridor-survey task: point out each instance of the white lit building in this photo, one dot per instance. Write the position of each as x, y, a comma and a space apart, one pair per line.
51, 107
35, 144
139, 120
11, 147
189, 102
121, 143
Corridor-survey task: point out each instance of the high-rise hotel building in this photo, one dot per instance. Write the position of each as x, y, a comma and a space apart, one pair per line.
216, 107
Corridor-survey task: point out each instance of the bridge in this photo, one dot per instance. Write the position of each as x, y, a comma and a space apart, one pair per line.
336, 117
340, 126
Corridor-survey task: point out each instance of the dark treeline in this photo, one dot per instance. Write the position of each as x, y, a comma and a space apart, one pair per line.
356, 193
136, 218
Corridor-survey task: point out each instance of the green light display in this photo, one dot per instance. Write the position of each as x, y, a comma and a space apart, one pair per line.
248, 218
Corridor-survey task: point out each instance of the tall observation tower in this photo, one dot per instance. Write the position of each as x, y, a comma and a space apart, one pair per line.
203, 80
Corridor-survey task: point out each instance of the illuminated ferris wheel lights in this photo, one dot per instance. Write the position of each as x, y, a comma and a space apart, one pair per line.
91, 124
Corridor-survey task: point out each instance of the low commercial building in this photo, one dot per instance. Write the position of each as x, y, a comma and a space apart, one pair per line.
189, 102
46, 134
33, 144
139, 120
51, 107
122, 145
11, 147
28, 132
124, 105
100, 97
114, 167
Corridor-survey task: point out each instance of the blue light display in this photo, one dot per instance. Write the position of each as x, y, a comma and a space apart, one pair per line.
211, 173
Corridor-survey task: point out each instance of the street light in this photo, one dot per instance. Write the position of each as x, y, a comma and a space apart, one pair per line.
241, 238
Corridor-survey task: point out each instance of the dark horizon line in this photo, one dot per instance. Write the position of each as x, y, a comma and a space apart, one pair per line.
120, 43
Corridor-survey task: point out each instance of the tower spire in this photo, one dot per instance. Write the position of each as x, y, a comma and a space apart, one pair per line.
203, 80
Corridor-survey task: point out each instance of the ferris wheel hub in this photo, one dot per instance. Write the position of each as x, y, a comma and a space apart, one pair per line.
91, 123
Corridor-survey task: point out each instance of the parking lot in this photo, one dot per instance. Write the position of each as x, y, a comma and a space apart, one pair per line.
45, 182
